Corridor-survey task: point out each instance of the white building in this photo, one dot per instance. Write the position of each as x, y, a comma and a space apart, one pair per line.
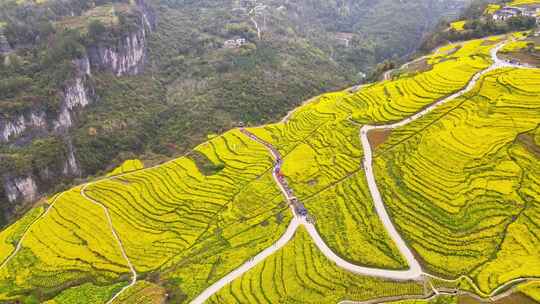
234, 43
507, 12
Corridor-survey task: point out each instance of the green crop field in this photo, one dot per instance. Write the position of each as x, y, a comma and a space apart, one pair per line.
461, 185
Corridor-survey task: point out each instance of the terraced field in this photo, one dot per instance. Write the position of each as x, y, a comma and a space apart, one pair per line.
463, 188
86, 293
143, 292
171, 217
12, 235
299, 273
322, 150
461, 184
127, 166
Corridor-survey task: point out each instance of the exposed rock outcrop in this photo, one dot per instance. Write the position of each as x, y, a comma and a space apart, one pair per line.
75, 96
71, 165
126, 56
15, 127
20, 188
4, 44
147, 13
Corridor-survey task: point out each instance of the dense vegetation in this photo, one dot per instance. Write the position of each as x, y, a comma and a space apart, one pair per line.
476, 22
192, 85
184, 228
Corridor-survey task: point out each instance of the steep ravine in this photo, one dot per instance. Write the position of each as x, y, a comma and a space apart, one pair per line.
126, 56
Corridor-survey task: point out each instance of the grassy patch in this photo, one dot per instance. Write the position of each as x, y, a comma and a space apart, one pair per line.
205, 165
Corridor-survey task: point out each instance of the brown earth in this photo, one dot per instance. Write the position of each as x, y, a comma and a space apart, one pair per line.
524, 57
515, 298
419, 66
528, 141
378, 137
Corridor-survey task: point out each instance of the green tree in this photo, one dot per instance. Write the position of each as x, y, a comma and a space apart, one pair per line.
96, 30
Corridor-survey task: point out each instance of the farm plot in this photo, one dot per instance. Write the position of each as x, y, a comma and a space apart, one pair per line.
11, 235
142, 292
348, 223
394, 100
464, 197
436, 300
532, 290
127, 166
73, 243
196, 227
167, 217
322, 151
299, 273
87, 293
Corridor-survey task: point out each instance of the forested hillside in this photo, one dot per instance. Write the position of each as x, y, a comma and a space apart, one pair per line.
87, 84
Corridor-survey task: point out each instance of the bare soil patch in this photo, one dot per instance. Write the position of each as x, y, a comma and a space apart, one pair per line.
490, 42
525, 57
378, 137
515, 298
528, 141
452, 51
419, 66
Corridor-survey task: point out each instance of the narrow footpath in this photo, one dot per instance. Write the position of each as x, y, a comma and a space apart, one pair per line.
118, 240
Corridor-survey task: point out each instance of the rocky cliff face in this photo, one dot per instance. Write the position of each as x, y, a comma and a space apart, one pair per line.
126, 56
75, 96
34, 123
4, 44
18, 188
15, 127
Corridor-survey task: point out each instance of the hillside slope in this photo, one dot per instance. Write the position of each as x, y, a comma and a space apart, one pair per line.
459, 181
90, 84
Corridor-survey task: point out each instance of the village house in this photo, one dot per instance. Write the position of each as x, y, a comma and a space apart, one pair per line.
344, 38
234, 43
507, 12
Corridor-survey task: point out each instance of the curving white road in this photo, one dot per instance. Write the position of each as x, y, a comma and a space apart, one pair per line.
413, 273
285, 238
415, 270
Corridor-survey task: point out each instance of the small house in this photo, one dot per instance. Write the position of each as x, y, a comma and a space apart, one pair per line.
344, 38
507, 12
234, 43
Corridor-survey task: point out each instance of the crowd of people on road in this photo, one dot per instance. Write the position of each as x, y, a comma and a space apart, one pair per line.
299, 208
